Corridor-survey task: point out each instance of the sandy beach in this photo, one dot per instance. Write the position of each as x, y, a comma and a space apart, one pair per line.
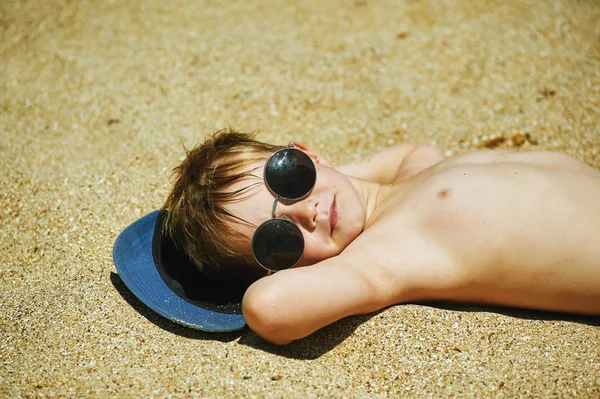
97, 100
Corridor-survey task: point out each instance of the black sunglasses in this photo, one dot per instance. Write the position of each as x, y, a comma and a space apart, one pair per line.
278, 244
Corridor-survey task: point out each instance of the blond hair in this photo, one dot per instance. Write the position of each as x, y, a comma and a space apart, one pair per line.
197, 218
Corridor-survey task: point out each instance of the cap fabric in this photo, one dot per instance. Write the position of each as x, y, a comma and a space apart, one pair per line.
166, 281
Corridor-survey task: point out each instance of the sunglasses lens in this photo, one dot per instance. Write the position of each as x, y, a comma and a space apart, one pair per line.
278, 244
290, 174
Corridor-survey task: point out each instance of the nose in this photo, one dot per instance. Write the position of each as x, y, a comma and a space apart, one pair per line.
303, 212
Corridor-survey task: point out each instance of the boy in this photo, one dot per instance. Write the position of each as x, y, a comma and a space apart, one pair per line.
503, 228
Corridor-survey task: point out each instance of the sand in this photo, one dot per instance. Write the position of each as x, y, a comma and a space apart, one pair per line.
97, 99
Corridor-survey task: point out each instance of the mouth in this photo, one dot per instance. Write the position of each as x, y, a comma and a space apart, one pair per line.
333, 215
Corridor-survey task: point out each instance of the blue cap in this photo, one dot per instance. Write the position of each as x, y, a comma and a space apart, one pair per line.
166, 281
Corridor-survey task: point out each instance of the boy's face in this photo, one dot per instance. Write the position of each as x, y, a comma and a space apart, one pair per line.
330, 217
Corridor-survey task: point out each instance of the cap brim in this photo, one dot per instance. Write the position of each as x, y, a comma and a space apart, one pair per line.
134, 259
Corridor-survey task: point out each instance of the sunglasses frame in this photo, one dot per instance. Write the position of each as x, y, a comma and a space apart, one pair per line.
278, 198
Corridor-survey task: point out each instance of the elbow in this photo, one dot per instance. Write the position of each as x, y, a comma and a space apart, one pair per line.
429, 151
421, 157
264, 316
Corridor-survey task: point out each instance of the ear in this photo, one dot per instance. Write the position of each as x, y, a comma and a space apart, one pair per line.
317, 157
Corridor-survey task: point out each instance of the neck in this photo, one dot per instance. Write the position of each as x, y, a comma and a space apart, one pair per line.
373, 194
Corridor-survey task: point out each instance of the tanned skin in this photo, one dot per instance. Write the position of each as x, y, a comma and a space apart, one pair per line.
506, 228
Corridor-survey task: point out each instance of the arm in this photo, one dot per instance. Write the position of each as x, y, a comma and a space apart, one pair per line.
394, 163
292, 304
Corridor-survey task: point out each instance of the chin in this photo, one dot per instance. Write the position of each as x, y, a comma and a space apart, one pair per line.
311, 261
316, 259
308, 262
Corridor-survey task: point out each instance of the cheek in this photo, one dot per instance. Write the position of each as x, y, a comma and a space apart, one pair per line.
353, 225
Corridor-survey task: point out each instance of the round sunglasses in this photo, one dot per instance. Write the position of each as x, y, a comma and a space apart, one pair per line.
278, 244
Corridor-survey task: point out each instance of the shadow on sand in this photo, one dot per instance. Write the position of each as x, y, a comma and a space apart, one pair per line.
527, 314
313, 346
327, 338
310, 347
166, 324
